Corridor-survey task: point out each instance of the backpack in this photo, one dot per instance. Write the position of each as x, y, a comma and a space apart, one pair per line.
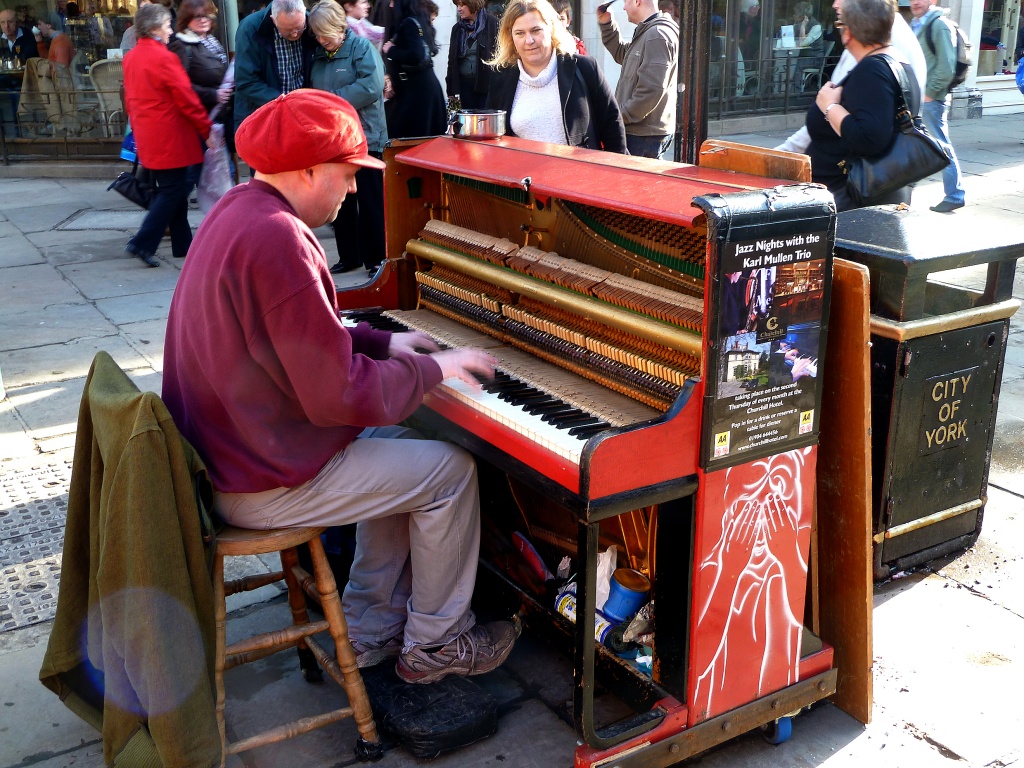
963, 51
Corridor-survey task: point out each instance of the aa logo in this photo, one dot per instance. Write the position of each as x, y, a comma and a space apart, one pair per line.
806, 421
722, 444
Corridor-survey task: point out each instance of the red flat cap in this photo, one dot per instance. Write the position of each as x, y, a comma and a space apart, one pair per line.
301, 129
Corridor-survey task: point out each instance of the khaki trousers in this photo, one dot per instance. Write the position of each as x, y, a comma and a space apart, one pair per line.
417, 506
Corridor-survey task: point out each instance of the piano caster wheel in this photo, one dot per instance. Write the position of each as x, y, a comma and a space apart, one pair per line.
777, 731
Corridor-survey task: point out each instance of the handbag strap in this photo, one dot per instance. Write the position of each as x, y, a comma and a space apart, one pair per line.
903, 116
423, 39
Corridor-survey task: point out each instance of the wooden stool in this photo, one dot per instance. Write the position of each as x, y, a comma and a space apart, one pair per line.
341, 667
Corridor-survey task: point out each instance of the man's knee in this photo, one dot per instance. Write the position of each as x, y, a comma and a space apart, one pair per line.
460, 461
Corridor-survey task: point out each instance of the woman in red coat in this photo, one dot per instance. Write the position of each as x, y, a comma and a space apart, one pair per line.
169, 123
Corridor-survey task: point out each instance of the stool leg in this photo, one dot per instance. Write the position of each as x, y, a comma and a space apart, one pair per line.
311, 671
346, 657
220, 620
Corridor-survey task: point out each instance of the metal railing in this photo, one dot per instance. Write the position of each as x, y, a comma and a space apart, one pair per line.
64, 124
766, 86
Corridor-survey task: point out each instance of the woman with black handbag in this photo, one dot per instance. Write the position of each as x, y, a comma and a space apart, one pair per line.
169, 124
419, 107
857, 120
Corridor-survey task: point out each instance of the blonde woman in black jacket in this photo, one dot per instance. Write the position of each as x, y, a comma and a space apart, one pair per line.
550, 93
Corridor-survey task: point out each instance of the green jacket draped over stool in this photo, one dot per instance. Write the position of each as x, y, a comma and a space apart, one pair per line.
133, 644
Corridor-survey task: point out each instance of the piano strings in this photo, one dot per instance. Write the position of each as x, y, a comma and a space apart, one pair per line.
633, 366
652, 251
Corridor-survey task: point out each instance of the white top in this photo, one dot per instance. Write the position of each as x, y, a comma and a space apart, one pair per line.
363, 28
907, 49
537, 108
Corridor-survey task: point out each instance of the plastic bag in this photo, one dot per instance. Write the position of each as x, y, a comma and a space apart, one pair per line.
128, 146
215, 179
1020, 75
607, 562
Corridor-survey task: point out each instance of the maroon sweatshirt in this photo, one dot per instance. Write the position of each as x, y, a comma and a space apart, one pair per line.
259, 373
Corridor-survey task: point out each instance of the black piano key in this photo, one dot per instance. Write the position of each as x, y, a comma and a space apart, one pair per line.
511, 387
498, 380
511, 395
542, 406
587, 431
569, 417
578, 421
377, 321
560, 412
554, 405
526, 398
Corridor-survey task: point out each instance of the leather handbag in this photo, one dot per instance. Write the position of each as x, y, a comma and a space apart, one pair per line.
135, 186
913, 154
427, 61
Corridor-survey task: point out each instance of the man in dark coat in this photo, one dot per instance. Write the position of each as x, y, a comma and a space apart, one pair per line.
273, 55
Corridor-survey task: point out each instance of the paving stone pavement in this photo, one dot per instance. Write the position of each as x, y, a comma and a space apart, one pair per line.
947, 639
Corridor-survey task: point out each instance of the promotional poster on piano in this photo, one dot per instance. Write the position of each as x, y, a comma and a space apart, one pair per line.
769, 302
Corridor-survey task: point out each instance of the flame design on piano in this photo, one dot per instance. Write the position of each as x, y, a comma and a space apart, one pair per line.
751, 582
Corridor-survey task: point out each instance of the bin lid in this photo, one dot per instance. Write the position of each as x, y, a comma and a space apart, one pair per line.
914, 241
902, 248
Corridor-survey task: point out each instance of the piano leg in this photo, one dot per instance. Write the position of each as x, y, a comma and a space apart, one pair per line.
673, 591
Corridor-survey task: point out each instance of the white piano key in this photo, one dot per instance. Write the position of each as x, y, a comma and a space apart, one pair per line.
556, 440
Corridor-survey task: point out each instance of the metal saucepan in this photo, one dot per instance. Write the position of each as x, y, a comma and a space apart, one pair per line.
478, 123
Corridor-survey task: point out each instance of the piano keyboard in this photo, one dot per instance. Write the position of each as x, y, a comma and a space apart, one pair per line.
554, 408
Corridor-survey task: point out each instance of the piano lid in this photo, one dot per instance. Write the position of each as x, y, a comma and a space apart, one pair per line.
651, 188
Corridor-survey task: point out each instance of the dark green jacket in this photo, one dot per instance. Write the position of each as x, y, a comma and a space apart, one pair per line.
356, 74
132, 646
942, 63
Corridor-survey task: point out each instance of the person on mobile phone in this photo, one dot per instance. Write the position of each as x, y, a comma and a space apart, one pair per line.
473, 41
646, 91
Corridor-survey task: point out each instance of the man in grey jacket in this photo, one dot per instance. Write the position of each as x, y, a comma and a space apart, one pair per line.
930, 25
646, 92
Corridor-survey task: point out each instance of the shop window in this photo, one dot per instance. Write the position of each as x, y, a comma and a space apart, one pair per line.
998, 45
770, 55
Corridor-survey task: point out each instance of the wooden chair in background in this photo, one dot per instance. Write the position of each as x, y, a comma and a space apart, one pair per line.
106, 76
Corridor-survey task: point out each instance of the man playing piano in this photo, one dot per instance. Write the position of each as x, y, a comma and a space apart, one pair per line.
293, 412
